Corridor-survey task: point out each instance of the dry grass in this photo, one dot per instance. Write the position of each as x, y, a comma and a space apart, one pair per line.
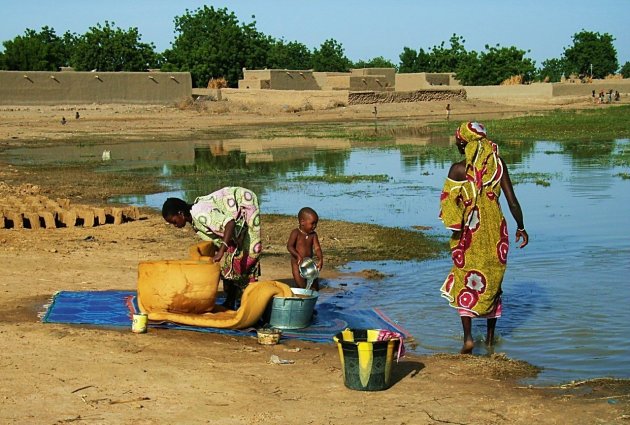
217, 83
514, 80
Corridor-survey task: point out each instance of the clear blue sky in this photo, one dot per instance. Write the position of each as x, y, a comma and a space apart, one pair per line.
366, 28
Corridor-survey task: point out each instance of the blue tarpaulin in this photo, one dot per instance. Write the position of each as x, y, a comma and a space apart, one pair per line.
115, 309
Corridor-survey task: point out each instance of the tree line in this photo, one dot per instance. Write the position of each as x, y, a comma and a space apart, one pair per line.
212, 43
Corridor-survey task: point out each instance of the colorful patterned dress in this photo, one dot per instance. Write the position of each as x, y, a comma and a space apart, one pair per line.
479, 244
212, 212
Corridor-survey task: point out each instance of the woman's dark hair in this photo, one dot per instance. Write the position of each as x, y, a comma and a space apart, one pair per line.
173, 206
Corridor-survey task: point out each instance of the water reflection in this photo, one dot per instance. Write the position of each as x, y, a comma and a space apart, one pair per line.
256, 163
564, 294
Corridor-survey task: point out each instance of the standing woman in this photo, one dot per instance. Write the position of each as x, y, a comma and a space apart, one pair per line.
230, 218
479, 243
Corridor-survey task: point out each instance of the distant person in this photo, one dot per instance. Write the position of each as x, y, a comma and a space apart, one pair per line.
304, 243
448, 111
63, 121
230, 218
617, 96
77, 115
479, 242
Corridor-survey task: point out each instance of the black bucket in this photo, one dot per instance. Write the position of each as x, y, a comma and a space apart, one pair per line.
366, 362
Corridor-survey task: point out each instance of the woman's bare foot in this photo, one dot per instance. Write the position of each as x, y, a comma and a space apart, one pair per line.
468, 347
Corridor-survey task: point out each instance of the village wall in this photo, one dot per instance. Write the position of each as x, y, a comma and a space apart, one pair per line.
289, 99
547, 90
45, 88
428, 95
422, 80
356, 82
520, 91
567, 89
326, 81
278, 79
295, 89
387, 76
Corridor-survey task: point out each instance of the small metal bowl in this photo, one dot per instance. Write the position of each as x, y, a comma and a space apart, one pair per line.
308, 269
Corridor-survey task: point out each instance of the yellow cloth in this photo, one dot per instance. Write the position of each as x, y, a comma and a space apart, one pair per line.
479, 243
178, 285
203, 251
253, 304
184, 291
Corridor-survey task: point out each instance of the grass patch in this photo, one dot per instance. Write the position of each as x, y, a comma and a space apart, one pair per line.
608, 123
592, 124
375, 178
540, 179
343, 241
309, 131
624, 176
622, 158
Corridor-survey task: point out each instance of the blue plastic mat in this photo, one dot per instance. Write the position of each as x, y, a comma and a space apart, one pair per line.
115, 309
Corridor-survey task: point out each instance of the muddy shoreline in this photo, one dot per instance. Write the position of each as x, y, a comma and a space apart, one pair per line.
63, 374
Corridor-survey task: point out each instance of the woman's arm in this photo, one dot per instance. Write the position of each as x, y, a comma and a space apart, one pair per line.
515, 207
228, 233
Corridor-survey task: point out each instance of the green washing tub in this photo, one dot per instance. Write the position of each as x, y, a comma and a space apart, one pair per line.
292, 312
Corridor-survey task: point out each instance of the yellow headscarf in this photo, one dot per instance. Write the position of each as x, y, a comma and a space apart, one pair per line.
482, 155
483, 171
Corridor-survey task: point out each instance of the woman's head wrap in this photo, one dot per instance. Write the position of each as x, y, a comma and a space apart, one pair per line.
470, 132
483, 173
482, 164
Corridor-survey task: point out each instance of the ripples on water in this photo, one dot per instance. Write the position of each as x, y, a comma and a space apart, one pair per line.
565, 295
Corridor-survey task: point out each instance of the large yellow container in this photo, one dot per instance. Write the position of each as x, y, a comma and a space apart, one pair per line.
178, 286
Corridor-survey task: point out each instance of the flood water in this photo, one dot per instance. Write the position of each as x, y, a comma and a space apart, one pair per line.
565, 294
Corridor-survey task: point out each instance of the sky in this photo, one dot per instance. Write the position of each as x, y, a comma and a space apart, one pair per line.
365, 28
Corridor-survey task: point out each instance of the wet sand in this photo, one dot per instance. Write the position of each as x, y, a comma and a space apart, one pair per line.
56, 374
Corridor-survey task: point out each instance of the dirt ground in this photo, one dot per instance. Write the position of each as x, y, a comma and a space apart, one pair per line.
58, 374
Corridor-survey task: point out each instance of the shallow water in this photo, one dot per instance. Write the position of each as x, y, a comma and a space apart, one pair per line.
565, 294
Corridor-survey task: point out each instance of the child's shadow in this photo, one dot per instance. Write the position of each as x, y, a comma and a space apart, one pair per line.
405, 368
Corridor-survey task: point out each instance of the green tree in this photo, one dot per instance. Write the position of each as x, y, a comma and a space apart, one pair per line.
377, 62
408, 61
438, 58
591, 49
412, 61
211, 43
35, 51
292, 55
496, 65
110, 49
625, 70
423, 61
552, 70
330, 57
442, 59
